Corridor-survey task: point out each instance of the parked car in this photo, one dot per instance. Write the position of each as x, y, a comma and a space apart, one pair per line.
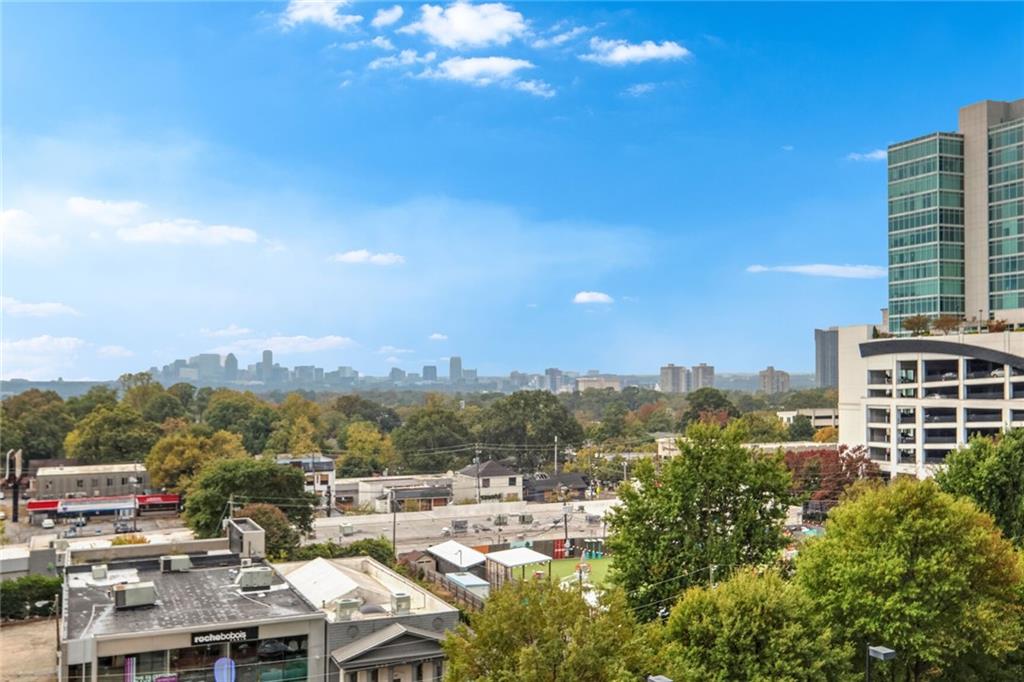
1000, 372
48, 524
122, 527
949, 376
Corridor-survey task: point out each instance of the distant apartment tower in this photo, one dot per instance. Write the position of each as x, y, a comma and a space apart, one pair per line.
267, 365
207, 365
230, 367
956, 202
674, 379
469, 376
702, 376
430, 372
826, 357
455, 369
396, 374
553, 379
774, 380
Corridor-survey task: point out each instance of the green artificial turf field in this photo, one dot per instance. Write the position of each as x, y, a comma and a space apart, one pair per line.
561, 568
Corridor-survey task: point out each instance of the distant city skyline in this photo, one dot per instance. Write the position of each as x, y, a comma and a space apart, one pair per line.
554, 185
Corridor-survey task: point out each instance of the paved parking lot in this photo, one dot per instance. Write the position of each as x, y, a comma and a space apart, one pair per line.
29, 651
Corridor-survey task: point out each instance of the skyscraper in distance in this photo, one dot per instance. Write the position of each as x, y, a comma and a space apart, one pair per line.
230, 367
267, 366
674, 379
430, 372
455, 369
703, 376
826, 357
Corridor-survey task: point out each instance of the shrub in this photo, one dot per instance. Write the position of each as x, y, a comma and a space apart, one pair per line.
27, 597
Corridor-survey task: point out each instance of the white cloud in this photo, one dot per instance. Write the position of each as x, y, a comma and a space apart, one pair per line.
364, 256
640, 89
18, 230
592, 297
104, 212
873, 155
324, 12
826, 270
463, 25
287, 345
560, 38
788, 147
15, 308
393, 350
114, 352
620, 52
182, 231
403, 58
438, 336
230, 330
382, 42
481, 71
39, 357
386, 17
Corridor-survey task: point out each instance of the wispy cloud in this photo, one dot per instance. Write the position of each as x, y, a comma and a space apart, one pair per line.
622, 52
39, 357
462, 25
287, 345
362, 256
103, 211
787, 147
559, 38
323, 12
15, 308
20, 231
381, 42
825, 270
387, 16
483, 71
114, 352
182, 231
228, 331
438, 336
393, 350
873, 155
403, 58
640, 89
592, 297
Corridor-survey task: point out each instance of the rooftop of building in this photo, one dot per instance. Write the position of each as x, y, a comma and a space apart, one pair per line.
313, 461
327, 581
489, 468
569, 479
129, 467
204, 596
457, 554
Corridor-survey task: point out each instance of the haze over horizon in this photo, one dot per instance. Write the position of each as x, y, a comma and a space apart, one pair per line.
612, 186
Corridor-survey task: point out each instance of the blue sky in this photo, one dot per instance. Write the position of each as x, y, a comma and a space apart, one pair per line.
524, 184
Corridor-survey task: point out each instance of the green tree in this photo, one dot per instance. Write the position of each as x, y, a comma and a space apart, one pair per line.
435, 426
28, 596
176, 458
357, 408
529, 419
36, 422
706, 400
281, 538
162, 407
764, 427
112, 435
753, 627
990, 471
535, 631
185, 393
202, 401
918, 570
801, 428
364, 440
241, 413
378, 549
350, 465
246, 480
716, 503
97, 396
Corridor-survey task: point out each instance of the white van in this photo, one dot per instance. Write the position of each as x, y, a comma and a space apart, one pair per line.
48, 524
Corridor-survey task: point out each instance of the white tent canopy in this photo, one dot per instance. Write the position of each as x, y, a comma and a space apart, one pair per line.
457, 554
518, 556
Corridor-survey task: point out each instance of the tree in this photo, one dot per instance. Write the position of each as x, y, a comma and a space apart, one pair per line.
753, 627
185, 393
763, 427
364, 440
241, 413
826, 434
801, 428
917, 325
996, 326
435, 426
822, 476
529, 419
357, 466
990, 471
946, 323
356, 408
706, 400
535, 631
916, 569
36, 422
716, 503
162, 407
176, 458
656, 417
112, 435
97, 396
378, 549
246, 480
281, 538
139, 389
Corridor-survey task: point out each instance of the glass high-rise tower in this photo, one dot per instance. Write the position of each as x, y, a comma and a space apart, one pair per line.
956, 219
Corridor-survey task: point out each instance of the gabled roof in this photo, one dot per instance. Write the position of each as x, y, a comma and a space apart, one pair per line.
457, 554
363, 647
488, 468
570, 480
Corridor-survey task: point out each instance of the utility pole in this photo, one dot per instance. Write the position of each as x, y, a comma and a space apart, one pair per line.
231, 506
394, 522
476, 460
13, 478
556, 455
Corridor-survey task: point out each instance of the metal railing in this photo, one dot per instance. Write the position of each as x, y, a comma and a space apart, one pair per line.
459, 593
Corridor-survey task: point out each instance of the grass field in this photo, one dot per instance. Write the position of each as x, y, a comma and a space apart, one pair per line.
561, 568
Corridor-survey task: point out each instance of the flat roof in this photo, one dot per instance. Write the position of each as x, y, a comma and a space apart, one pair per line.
518, 556
467, 579
203, 597
457, 554
135, 467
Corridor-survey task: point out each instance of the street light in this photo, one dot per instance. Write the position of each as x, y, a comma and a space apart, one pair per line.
882, 653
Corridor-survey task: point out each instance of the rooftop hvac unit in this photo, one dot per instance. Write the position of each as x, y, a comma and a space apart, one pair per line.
131, 595
175, 563
344, 608
401, 603
99, 572
256, 578
246, 562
